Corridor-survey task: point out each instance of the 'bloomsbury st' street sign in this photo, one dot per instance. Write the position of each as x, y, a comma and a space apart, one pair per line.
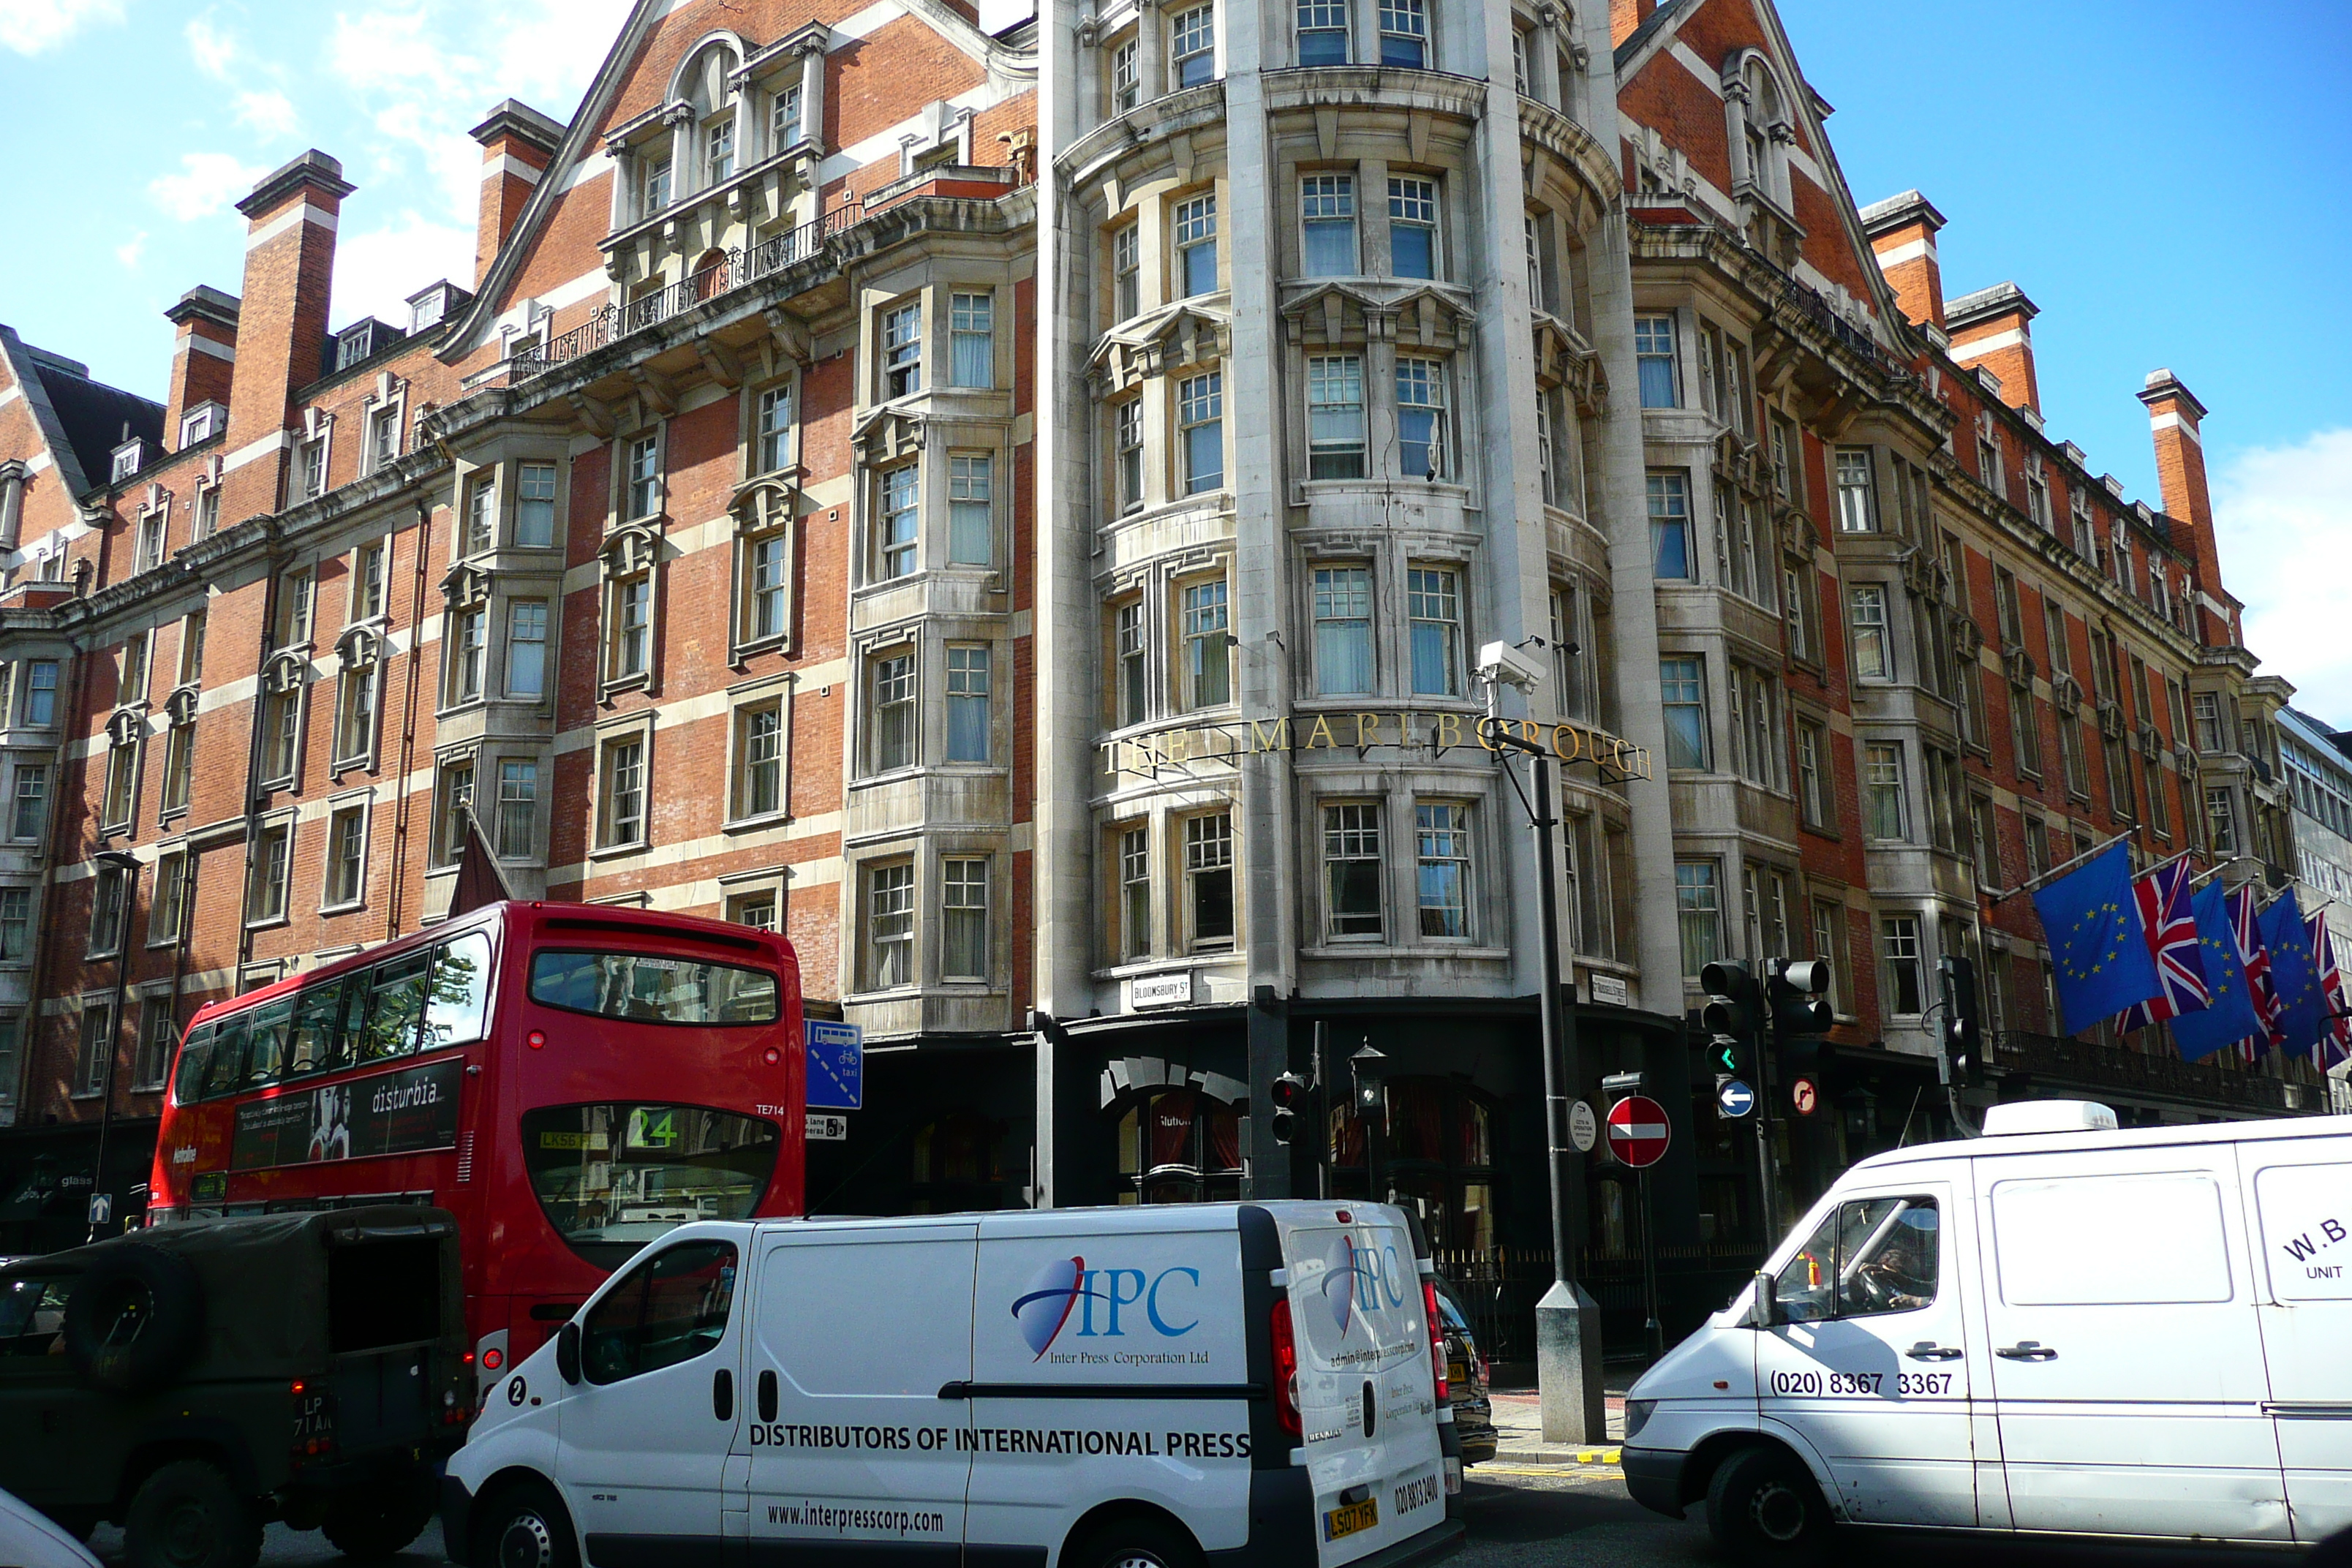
1433, 734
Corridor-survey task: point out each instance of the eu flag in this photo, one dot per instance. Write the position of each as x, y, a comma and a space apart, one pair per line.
2302, 1013
2098, 954
2230, 1016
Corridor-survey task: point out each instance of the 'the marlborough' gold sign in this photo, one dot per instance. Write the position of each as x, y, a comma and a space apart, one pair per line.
1437, 734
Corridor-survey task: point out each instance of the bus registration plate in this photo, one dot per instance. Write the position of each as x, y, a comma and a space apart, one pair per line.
1350, 1519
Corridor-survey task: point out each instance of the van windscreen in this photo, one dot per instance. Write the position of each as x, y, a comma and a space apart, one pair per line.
647, 988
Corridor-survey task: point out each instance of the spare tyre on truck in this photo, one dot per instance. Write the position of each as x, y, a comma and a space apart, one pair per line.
194, 1382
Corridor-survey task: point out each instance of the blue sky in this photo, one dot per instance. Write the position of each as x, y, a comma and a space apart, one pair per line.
2164, 179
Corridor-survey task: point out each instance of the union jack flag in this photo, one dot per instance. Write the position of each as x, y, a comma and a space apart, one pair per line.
2256, 956
2172, 931
2335, 1041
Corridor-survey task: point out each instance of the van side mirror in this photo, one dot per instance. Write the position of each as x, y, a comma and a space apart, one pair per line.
567, 1352
1765, 1312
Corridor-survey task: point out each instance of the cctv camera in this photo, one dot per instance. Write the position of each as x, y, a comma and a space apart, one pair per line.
1499, 661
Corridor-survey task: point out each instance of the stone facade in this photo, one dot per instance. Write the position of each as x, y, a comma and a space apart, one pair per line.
1020, 515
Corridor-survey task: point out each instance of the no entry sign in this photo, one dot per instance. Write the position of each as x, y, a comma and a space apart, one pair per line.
1637, 1131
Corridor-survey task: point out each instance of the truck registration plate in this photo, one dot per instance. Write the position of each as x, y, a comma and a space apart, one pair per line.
1353, 1516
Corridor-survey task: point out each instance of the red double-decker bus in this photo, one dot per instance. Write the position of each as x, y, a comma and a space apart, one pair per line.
569, 1081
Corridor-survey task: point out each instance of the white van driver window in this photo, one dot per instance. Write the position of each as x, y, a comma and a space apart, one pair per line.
669, 1309
1868, 1256
2081, 1241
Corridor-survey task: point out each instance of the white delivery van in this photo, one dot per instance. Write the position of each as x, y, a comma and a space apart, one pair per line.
1145, 1387
2057, 1328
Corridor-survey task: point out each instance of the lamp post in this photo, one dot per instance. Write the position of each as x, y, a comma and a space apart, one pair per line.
125, 864
1568, 1320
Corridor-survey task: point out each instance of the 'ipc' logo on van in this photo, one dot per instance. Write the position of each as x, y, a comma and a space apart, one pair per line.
1065, 1288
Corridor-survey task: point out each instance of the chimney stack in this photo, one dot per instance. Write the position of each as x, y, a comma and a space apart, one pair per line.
204, 356
2174, 416
1993, 328
518, 144
1627, 16
1901, 232
289, 273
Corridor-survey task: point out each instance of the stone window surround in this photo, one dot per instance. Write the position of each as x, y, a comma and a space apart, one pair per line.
363, 798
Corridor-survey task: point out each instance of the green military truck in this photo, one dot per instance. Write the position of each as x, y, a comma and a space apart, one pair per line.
194, 1383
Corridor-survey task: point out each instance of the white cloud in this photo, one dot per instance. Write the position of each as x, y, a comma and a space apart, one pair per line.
206, 183
28, 27
214, 50
377, 270
2283, 517
426, 71
133, 251
268, 114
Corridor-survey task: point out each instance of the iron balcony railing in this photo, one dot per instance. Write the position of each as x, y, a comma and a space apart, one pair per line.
2095, 1066
735, 269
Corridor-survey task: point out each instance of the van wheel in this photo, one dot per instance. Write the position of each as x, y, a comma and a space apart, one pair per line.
186, 1515
524, 1526
1762, 1506
1134, 1543
375, 1522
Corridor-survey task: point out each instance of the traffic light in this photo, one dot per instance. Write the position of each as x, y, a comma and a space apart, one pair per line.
1290, 1094
1370, 1087
1731, 1017
1797, 991
1956, 977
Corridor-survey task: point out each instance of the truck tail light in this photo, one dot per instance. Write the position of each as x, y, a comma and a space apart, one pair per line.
1285, 1371
1437, 1336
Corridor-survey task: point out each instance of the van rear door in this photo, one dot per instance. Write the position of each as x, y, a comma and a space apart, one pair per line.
1366, 1383
2302, 1193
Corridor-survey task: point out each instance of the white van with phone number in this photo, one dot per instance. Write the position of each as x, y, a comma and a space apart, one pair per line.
1144, 1387
2058, 1329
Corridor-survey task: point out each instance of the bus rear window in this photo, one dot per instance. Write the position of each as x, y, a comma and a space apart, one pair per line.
645, 988
614, 1176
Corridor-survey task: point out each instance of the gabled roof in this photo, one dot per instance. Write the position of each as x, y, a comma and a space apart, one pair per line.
581, 142
81, 421
1660, 29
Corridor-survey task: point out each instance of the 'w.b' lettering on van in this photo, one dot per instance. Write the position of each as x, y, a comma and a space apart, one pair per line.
1104, 1301
2299, 1248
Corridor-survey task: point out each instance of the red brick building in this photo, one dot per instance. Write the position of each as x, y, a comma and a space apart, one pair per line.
678, 542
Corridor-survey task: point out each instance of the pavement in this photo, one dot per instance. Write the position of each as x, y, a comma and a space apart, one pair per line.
1518, 1426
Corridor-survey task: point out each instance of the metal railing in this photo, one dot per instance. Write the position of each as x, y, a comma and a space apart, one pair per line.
1499, 1287
735, 269
2098, 1065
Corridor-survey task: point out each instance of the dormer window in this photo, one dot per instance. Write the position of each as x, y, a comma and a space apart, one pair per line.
129, 459
201, 424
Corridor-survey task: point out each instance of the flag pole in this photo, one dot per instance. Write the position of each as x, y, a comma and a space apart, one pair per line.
2216, 868
2033, 883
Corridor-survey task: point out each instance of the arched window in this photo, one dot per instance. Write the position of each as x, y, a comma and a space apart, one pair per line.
1179, 1145
708, 86
1760, 128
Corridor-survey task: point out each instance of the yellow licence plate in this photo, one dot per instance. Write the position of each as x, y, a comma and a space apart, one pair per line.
1350, 1519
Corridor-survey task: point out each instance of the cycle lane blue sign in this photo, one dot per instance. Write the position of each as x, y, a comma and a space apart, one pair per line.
837, 1065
